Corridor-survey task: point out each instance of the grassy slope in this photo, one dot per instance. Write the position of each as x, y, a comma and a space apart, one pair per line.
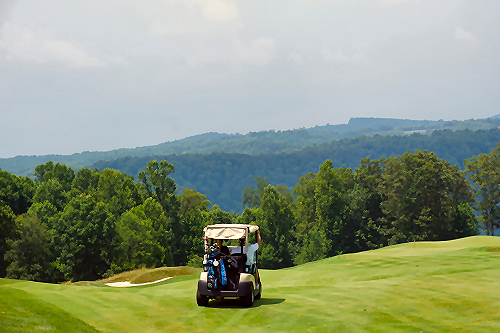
429, 286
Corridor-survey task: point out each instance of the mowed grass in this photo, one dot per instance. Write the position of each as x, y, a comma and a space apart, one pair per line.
449, 286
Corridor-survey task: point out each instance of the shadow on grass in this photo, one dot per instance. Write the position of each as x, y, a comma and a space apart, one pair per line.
234, 303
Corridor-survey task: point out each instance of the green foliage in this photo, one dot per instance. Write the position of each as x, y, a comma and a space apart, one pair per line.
195, 216
118, 190
83, 239
102, 222
252, 196
313, 246
7, 230
275, 225
144, 237
16, 192
195, 261
159, 185
61, 172
484, 171
45, 211
223, 176
330, 207
51, 191
421, 194
29, 253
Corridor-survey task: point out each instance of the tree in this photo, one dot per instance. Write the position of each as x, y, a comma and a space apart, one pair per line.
16, 192
421, 194
330, 207
53, 192
364, 208
276, 223
484, 171
195, 216
86, 181
61, 172
29, 254
311, 242
118, 191
144, 237
252, 196
45, 212
160, 186
84, 239
7, 231
314, 246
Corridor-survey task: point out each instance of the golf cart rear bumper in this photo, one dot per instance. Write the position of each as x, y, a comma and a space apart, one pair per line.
244, 288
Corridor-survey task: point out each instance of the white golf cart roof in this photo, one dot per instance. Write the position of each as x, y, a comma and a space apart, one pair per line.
228, 231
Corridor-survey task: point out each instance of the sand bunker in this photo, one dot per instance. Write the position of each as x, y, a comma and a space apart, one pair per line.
128, 284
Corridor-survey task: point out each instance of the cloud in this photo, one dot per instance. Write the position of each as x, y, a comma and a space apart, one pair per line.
41, 47
5, 9
296, 58
342, 56
258, 52
184, 17
336, 56
219, 10
463, 35
387, 3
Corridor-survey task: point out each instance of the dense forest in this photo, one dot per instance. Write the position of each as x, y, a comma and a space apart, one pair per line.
68, 226
256, 143
222, 176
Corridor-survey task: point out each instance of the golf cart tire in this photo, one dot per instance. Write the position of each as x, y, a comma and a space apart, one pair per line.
202, 300
248, 298
260, 291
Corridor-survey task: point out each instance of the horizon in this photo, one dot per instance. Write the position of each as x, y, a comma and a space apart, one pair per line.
241, 134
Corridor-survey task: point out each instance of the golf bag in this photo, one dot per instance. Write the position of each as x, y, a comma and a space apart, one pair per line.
212, 262
216, 270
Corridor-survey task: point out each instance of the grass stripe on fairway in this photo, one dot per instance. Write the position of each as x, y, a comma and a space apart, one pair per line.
21, 312
429, 286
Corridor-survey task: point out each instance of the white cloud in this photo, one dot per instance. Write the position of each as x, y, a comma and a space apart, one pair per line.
41, 47
463, 35
258, 52
219, 10
296, 58
336, 56
193, 17
387, 3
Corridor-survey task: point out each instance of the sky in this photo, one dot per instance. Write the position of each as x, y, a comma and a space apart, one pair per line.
98, 75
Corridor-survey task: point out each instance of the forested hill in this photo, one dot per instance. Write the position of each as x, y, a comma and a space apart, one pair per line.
223, 176
255, 143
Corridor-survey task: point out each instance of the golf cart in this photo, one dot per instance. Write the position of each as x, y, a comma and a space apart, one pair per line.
227, 272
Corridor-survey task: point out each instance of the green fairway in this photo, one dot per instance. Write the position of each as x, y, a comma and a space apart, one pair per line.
451, 286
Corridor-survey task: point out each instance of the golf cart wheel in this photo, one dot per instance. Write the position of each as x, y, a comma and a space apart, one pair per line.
260, 291
202, 300
249, 298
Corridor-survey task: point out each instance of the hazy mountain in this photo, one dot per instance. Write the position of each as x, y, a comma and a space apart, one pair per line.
255, 143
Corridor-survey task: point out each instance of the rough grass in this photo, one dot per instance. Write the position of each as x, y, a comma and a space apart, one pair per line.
149, 275
142, 275
425, 286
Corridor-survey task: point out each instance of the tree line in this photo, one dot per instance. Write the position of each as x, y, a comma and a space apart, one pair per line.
85, 225
222, 176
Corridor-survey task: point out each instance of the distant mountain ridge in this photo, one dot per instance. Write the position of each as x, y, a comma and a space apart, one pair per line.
255, 143
223, 176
